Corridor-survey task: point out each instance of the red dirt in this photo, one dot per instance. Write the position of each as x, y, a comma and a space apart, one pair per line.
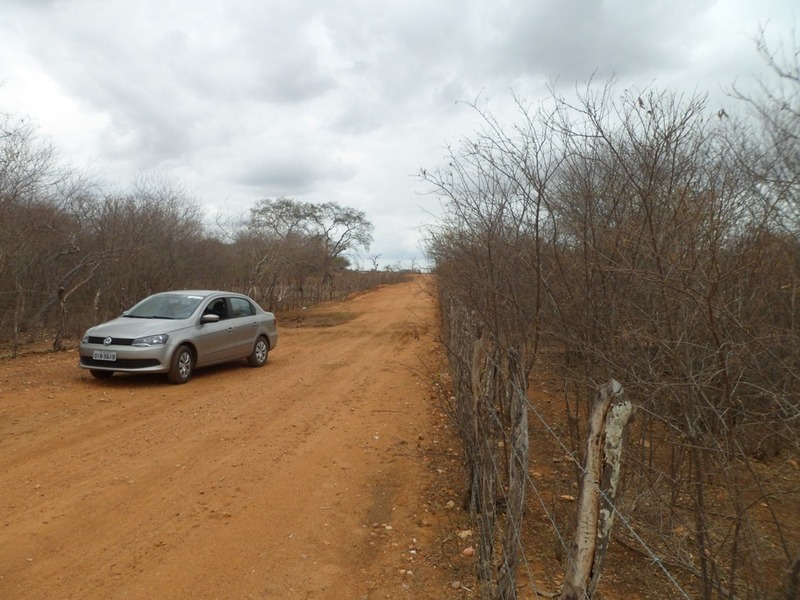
314, 477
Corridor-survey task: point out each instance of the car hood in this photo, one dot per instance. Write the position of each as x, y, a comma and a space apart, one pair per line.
127, 327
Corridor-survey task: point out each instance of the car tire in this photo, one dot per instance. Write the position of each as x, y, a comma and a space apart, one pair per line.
258, 358
98, 374
181, 366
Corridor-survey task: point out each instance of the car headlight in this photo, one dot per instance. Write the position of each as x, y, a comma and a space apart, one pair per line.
151, 340
85, 339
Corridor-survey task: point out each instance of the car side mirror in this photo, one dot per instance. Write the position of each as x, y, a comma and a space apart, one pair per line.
209, 318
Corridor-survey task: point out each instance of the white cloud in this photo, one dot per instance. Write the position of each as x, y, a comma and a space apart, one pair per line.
343, 100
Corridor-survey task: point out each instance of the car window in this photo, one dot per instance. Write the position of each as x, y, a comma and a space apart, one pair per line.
241, 308
180, 307
217, 307
165, 306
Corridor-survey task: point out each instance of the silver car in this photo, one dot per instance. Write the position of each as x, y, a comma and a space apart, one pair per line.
177, 332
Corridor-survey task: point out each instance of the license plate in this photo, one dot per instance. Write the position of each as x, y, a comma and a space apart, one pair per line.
103, 355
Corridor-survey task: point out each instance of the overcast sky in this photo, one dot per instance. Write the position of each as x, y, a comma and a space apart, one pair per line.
328, 100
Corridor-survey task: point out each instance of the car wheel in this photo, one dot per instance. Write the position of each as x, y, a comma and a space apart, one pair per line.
97, 374
180, 369
260, 353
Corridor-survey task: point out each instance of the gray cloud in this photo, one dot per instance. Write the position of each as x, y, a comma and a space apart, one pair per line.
336, 101
293, 174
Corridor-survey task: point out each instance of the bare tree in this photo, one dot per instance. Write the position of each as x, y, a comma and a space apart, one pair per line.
35, 229
775, 106
624, 231
299, 240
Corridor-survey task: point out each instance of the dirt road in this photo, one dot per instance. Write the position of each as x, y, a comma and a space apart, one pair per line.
304, 479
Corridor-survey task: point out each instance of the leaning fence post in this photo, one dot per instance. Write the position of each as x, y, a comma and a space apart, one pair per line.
611, 413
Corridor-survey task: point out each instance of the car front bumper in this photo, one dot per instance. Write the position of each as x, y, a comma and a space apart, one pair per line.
151, 359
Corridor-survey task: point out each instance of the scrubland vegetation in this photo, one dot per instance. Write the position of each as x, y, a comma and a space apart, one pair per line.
649, 237
73, 253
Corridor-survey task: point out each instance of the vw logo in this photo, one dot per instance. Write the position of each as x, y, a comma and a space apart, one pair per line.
107, 341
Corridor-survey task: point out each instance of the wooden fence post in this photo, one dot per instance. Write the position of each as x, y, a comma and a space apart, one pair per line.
517, 476
484, 382
611, 413
793, 587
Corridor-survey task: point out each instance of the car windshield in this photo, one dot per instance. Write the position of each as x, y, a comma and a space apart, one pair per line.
165, 306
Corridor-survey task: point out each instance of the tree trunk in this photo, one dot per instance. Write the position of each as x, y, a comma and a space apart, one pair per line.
19, 309
793, 587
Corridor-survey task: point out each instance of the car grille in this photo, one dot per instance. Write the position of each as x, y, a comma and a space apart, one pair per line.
114, 341
131, 363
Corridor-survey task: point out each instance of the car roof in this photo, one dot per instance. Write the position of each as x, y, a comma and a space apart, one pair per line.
203, 293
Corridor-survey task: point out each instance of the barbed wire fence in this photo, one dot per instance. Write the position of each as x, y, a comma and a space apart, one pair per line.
489, 403
632, 235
